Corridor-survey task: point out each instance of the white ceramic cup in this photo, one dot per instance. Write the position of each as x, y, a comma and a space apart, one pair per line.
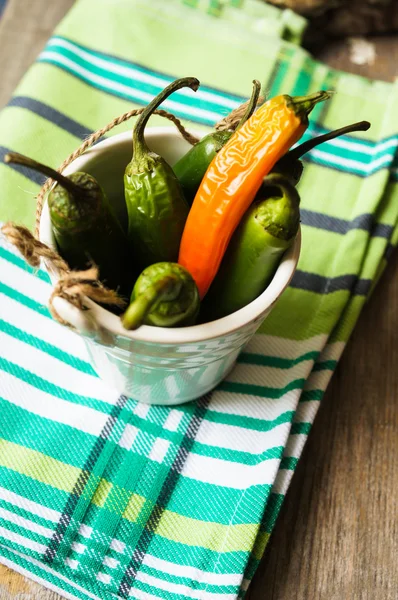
152, 364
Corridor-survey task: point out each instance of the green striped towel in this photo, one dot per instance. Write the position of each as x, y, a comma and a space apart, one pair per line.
101, 496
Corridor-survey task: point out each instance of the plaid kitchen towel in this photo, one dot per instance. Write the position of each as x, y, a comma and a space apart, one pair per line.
101, 496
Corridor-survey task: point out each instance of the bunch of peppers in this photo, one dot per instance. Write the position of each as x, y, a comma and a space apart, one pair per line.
204, 237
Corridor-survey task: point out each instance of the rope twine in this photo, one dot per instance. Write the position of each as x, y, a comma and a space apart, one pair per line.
75, 286
232, 120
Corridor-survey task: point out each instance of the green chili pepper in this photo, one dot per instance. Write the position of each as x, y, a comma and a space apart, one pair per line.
156, 207
290, 165
164, 295
191, 168
84, 226
266, 231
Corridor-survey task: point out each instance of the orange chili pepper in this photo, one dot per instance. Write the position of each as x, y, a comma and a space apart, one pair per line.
233, 179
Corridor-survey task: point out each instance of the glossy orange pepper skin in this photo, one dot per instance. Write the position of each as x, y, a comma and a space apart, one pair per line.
231, 183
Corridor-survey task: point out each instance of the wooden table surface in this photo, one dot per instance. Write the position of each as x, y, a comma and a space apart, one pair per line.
337, 534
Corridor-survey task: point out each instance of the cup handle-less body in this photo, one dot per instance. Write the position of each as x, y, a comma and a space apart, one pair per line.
153, 364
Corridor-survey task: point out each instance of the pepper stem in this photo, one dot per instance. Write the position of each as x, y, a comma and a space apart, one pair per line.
139, 144
252, 104
302, 149
303, 105
143, 304
20, 159
279, 181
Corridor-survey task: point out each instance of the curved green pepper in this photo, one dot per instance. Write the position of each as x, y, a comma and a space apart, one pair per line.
164, 295
266, 231
84, 226
290, 165
191, 168
156, 207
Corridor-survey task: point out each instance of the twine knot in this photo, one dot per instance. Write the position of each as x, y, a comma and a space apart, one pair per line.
75, 286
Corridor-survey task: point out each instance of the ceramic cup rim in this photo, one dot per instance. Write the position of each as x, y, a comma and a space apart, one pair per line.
167, 336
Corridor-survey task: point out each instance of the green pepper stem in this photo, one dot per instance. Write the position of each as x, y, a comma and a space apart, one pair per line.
303, 105
252, 104
302, 149
281, 182
143, 304
65, 182
139, 144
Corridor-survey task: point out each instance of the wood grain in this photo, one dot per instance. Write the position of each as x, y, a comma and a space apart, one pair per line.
25, 27
14, 586
336, 54
336, 538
